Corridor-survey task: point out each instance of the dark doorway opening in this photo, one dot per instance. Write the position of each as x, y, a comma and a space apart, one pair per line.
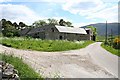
88, 31
94, 38
60, 37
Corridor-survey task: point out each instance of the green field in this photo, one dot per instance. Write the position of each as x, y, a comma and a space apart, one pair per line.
43, 45
24, 71
100, 38
110, 49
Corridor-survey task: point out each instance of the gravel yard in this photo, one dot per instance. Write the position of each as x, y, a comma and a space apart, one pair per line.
69, 64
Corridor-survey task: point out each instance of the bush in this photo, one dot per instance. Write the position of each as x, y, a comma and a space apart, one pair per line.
9, 34
1, 35
116, 43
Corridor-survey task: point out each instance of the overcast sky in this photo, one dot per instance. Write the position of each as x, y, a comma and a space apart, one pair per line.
79, 12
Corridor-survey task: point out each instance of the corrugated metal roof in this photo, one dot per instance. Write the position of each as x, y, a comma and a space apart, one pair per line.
71, 30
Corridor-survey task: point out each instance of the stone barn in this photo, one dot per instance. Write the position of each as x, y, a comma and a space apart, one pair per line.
55, 32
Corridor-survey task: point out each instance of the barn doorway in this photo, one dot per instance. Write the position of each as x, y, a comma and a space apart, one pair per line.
60, 37
94, 38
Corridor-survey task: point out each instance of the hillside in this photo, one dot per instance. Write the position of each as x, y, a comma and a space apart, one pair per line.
101, 28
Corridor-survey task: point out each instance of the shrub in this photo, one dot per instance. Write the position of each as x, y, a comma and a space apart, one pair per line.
116, 43
9, 34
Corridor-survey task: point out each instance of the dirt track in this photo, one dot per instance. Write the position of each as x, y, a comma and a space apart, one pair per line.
69, 64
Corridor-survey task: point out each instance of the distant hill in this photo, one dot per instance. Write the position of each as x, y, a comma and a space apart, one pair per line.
101, 28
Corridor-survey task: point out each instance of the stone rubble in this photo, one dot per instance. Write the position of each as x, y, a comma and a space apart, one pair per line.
7, 72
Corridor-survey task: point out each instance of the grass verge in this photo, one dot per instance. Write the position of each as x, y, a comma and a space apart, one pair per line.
24, 71
44, 45
110, 49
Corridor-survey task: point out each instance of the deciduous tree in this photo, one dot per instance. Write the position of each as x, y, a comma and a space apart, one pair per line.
39, 23
53, 21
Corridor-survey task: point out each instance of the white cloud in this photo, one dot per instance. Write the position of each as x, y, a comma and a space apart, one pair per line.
64, 18
47, 1
109, 14
18, 13
83, 7
111, 1
92, 9
55, 1
5, 1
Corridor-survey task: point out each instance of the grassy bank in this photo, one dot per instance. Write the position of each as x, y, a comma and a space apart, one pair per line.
24, 71
110, 49
44, 45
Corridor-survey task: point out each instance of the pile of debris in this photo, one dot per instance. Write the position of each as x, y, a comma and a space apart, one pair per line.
7, 71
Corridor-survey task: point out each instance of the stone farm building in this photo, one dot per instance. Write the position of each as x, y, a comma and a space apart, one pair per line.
55, 32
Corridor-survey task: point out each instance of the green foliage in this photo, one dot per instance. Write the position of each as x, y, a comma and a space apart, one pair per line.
9, 29
112, 45
52, 21
100, 38
1, 35
16, 25
111, 49
65, 23
62, 22
93, 29
116, 43
43, 45
39, 23
68, 24
24, 71
94, 32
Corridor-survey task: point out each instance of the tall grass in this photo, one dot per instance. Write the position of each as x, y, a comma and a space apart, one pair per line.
43, 45
111, 49
24, 71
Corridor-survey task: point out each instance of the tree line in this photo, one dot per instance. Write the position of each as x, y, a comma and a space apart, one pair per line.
60, 22
10, 29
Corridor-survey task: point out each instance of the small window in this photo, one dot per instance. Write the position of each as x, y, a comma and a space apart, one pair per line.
52, 29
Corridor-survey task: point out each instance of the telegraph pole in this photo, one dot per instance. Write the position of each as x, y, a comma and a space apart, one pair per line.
106, 34
111, 38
